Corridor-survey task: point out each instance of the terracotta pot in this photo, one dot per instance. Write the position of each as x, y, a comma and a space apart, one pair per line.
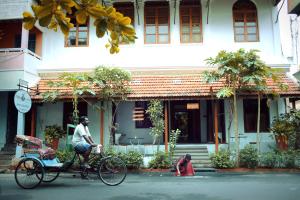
54, 144
282, 142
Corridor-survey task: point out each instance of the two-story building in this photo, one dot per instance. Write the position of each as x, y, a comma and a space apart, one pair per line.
166, 61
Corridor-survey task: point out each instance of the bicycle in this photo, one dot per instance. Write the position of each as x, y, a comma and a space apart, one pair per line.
34, 168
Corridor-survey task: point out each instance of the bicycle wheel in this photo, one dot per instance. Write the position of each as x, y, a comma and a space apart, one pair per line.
112, 171
50, 175
29, 173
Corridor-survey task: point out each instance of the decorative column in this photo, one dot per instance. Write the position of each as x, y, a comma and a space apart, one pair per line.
216, 126
24, 38
102, 124
166, 126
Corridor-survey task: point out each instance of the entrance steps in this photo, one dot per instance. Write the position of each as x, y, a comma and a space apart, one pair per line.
200, 156
6, 155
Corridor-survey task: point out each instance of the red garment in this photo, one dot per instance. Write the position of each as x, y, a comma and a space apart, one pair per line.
185, 170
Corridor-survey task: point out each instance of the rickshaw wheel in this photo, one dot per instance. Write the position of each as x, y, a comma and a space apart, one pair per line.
29, 173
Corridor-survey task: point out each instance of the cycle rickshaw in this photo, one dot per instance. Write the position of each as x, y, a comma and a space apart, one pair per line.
39, 165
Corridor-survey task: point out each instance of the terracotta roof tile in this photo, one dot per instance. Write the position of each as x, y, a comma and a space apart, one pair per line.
175, 87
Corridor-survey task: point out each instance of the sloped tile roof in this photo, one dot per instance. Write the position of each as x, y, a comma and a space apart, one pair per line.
175, 87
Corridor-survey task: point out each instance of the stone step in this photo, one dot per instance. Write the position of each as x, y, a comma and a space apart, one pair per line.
4, 166
191, 151
5, 162
191, 147
6, 157
7, 152
176, 154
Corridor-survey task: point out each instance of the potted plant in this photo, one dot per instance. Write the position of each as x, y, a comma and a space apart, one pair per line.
282, 128
52, 135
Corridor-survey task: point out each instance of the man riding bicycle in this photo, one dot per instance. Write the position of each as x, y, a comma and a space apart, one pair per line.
82, 140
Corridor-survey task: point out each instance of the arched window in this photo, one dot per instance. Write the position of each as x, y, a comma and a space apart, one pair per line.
245, 21
190, 21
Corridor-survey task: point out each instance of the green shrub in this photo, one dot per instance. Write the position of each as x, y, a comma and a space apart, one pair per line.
160, 160
249, 157
133, 159
64, 155
221, 159
268, 159
285, 159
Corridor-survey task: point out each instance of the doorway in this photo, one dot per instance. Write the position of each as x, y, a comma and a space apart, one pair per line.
185, 116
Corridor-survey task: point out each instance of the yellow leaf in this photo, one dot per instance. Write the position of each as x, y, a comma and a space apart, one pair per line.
53, 25
119, 15
45, 21
125, 21
96, 12
110, 9
42, 11
28, 20
81, 16
113, 35
107, 45
128, 30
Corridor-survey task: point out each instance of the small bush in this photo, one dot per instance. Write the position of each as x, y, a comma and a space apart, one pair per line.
249, 157
268, 159
64, 155
133, 160
160, 161
222, 160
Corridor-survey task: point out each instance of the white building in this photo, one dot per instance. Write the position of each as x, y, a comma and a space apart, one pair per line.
174, 39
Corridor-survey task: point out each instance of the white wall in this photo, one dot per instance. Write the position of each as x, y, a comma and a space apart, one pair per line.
13, 9
48, 114
277, 106
218, 35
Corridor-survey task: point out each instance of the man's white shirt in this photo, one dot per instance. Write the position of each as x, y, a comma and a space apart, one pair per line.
79, 132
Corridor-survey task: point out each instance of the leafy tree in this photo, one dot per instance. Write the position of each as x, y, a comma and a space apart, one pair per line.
155, 111
241, 70
77, 82
54, 14
111, 84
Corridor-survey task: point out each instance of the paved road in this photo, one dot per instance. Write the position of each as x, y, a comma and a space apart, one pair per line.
165, 187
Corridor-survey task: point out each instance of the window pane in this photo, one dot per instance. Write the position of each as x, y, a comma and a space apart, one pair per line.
185, 38
196, 28
72, 39
185, 29
185, 20
163, 39
239, 30
238, 17
239, 24
251, 30
196, 38
150, 39
150, 29
239, 38
251, 24
195, 19
149, 12
252, 38
83, 28
163, 20
163, 29
150, 20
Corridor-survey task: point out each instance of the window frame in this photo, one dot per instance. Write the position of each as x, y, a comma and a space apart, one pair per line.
190, 7
253, 111
77, 34
245, 11
146, 123
156, 6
